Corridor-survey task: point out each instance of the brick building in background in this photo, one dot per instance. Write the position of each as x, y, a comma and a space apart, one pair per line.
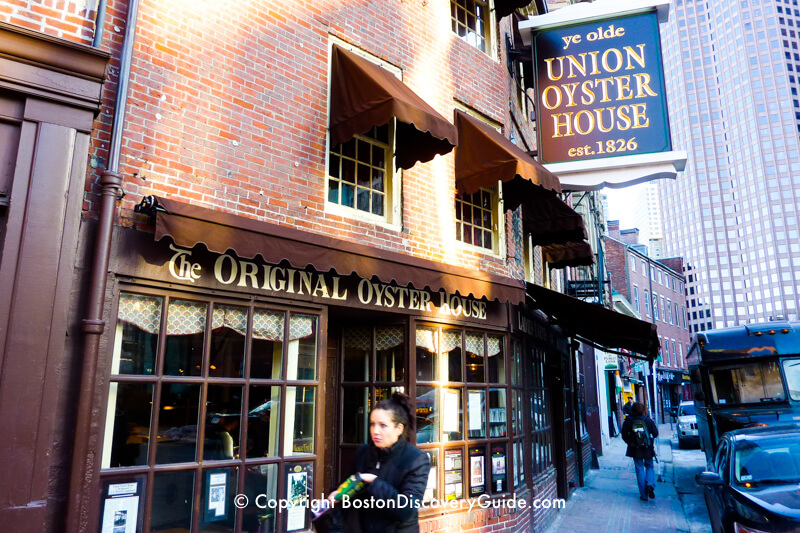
655, 289
235, 227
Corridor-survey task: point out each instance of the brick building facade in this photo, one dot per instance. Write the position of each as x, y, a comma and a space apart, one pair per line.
655, 289
233, 290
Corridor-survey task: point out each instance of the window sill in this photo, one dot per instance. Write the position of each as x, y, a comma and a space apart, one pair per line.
477, 249
356, 215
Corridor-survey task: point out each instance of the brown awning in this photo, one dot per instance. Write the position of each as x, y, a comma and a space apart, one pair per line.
188, 225
569, 254
596, 323
503, 8
484, 157
364, 95
549, 220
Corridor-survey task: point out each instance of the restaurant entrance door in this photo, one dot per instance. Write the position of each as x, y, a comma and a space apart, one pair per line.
367, 362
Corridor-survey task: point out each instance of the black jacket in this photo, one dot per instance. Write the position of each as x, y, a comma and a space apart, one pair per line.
402, 469
627, 436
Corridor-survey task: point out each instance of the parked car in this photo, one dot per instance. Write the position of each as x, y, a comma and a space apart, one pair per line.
753, 485
687, 425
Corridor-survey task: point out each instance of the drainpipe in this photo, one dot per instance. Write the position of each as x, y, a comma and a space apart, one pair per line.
85, 461
99, 24
654, 407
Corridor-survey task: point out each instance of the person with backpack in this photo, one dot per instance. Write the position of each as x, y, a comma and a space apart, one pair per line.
639, 433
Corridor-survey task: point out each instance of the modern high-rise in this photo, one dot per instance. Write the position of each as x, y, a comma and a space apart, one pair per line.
647, 212
732, 71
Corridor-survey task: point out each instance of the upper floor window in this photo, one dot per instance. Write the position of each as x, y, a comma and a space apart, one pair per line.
476, 216
633, 265
646, 303
470, 21
636, 298
360, 171
655, 306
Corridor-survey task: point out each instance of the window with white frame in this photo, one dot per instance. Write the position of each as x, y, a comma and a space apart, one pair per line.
359, 172
476, 219
470, 21
646, 303
655, 307
633, 265
636, 298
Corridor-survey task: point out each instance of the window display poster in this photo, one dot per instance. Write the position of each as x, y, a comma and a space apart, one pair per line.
217, 485
297, 491
476, 471
450, 418
121, 508
475, 409
453, 485
498, 468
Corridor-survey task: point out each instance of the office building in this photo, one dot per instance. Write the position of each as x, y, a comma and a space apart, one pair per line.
733, 72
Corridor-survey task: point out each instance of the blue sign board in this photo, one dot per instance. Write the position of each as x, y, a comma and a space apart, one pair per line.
600, 90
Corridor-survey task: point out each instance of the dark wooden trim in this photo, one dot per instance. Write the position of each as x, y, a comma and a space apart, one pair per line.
53, 53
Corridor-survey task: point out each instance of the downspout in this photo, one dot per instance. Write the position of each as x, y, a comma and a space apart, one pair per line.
99, 24
85, 462
654, 407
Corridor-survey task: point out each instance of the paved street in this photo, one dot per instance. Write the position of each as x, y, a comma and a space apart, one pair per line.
610, 500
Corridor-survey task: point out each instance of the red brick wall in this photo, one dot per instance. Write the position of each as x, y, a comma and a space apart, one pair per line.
72, 20
228, 107
617, 266
499, 518
572, 469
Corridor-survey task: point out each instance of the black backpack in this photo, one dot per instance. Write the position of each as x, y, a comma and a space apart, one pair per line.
640, 434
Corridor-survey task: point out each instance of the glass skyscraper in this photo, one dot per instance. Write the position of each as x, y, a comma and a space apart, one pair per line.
732, 71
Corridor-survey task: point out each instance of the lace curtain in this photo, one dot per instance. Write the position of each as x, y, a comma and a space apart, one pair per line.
186, 317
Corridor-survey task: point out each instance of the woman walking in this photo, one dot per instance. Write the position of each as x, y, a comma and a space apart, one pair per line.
395, 473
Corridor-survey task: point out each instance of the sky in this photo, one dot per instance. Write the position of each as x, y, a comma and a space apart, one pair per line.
621, 204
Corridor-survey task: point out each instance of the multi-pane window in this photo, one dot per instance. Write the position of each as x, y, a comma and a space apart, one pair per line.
470, 21
541, 420
636, 298
655, 307
210, 398
517, 409
475, 219
646, 303
360, 172
462, 411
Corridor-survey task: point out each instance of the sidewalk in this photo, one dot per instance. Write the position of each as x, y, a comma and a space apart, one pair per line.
609, 502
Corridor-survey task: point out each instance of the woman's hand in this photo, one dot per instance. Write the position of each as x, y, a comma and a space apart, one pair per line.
332, 495
367, 478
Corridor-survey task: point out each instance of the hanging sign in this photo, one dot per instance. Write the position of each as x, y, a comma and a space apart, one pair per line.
611, 361
600, 89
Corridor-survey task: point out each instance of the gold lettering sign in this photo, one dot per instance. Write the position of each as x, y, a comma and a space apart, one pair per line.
600, 90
